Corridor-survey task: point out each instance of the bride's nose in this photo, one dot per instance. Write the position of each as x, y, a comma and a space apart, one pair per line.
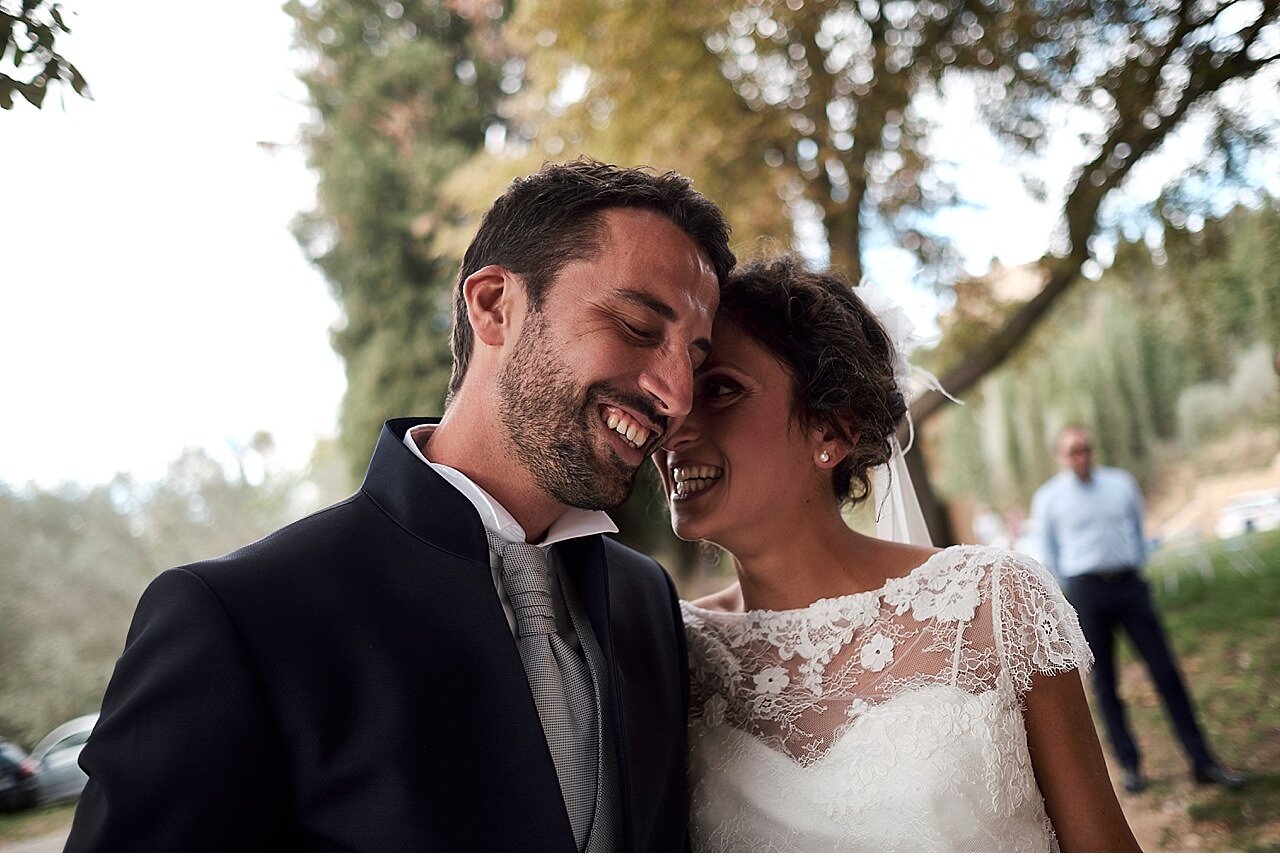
687, 430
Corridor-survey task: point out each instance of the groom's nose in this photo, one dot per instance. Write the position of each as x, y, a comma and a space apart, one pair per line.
669, 380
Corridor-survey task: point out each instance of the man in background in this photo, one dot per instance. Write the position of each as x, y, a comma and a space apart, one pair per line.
1090, 523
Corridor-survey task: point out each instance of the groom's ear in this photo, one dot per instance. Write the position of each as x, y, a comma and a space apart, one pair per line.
495, 301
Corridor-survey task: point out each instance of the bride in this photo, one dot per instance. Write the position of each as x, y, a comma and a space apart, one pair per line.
852, 693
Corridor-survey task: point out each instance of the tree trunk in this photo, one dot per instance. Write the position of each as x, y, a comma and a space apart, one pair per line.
936, 517
844, 233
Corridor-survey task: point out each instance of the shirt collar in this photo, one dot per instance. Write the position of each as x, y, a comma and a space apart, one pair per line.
1087, 481
572, 524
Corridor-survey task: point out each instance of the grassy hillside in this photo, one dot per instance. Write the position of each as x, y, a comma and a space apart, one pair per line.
1223, 618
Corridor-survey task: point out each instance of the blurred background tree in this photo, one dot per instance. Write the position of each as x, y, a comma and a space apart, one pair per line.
402, 95
831, 104
30, 62
812, 123
1170, 352
73, 562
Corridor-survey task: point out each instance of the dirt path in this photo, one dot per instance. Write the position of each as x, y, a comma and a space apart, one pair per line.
1174, 814
1160, 818
1187, 505
52, 842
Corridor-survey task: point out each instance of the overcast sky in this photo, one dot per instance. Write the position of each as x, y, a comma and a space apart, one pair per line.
151, 294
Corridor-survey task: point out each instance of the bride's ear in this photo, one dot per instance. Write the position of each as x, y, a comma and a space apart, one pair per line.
830, 448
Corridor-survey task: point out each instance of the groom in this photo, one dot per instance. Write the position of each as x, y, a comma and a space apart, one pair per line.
454, 658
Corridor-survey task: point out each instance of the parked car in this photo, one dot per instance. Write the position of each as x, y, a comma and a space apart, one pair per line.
17, 777
56, 760
1248, 513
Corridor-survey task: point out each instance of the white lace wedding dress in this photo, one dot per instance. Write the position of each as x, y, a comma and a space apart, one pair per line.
882, 721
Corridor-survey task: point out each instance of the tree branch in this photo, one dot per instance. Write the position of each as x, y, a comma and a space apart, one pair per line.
1081, 211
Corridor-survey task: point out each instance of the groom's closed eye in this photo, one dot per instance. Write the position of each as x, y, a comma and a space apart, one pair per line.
700, 348
639, 332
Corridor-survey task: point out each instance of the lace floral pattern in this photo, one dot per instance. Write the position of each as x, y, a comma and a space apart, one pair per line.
863, 715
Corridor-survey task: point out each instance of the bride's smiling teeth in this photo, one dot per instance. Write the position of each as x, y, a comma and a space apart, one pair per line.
627, 427
691, 480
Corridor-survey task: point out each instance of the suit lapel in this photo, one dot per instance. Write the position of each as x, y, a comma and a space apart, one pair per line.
458, 594
509, 757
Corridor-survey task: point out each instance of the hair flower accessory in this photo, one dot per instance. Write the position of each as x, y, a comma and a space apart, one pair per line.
902, 334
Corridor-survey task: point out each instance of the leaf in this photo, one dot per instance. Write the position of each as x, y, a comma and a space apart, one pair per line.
78, 83
32, 93
6, 30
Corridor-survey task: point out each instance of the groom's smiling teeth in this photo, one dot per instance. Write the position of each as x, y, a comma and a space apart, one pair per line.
691, 480
627, 426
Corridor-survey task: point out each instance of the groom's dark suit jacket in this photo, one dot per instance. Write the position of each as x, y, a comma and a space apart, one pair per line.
350, 682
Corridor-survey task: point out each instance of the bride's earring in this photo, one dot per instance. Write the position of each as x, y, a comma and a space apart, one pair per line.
824, 457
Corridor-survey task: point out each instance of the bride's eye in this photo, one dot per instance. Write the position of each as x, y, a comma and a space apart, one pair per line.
719, 388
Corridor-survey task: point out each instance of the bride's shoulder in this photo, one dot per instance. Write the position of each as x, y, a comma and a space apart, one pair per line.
993, 564
899, 559
987, 556
728, 600
968, 562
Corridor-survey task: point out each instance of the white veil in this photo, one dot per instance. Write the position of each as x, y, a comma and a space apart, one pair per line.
898, 515
897, 510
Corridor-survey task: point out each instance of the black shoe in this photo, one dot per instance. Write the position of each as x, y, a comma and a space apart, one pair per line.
1216, 773
1134, 781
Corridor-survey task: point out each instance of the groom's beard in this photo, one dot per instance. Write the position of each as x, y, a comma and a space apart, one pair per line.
553, 428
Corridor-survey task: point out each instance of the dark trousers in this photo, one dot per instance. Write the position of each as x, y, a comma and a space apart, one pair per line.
1121, 598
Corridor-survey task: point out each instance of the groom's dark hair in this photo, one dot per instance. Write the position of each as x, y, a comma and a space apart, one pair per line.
556, 216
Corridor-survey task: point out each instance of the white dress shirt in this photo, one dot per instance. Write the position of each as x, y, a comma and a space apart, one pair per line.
572, 524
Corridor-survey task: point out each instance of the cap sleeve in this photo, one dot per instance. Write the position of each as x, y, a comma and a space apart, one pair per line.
1037, 631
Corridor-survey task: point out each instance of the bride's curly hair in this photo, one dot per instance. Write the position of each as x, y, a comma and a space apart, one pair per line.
839, 357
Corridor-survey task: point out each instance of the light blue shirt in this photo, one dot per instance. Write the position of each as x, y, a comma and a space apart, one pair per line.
1090, 526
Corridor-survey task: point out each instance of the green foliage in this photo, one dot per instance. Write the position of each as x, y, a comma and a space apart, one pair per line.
778, 109
74, 561
784, 109
65, 610
29, 59
965, 472
22, 825
1163, 353
403, 95
1224, 277
1250, 397
1225, 632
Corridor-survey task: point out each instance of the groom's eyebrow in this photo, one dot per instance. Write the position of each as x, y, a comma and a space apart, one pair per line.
644, 299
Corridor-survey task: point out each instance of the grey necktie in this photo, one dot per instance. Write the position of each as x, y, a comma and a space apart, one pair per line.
558, 677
